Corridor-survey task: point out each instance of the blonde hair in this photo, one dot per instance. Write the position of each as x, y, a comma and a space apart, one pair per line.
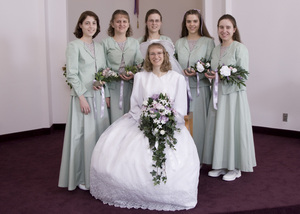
165, 66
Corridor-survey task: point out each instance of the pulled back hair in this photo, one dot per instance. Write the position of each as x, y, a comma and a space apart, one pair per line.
111, 30
184, 30
236, 36
78, 31
150, 12
166, 65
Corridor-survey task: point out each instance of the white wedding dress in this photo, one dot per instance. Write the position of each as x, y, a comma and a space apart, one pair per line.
122, 160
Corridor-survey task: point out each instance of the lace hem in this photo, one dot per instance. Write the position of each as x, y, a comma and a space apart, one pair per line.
111, 193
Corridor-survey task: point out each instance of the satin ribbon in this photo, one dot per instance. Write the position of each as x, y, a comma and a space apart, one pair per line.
215, 91
198, 84
121, 94
94, 105
188, 87
103, 102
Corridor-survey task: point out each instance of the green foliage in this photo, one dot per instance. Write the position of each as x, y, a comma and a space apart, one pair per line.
159, 125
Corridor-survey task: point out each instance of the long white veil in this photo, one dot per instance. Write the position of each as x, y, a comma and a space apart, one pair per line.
169, 48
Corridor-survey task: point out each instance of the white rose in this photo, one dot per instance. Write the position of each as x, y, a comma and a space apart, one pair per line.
162, 132
207, 65
200, 67
145, 103
234, 70
225, 71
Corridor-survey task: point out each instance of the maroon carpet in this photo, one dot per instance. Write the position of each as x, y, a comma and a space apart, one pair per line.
29, 174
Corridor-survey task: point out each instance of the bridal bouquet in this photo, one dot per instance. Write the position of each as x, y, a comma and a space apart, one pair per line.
233, 74
104, 76
159, 126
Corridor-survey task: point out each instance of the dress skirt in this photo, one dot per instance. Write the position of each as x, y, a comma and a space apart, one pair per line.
199, 106
122, 162
230, 144
81, 134
114, 89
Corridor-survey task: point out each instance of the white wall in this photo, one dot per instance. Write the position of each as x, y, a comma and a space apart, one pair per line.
269, 29
33, 40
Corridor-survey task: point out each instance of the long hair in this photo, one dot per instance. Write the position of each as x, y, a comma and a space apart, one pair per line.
150, 12
236, 36
111, 30
202, 31
78, 31
165, 66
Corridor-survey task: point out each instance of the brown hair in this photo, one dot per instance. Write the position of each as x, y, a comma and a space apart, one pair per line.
202, 31
236, 36
150, 12
111, 30
165, 66
78, 31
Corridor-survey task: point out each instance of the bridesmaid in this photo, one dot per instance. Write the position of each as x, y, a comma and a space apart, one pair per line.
153, 21
229, 147
88, 116
196, 43
121, 50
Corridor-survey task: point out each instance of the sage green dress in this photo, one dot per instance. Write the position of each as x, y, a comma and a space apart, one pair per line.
117, 57
82, 131
229, 139
188, 55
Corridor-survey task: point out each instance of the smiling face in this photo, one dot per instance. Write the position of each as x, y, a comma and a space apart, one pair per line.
156, 56
226, 30
88, 26
120, 24
154, 23
192, 23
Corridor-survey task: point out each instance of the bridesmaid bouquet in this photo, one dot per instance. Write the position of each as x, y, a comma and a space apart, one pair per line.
104, 76
202, 66
64, 68
133, 69
233, 74
158, 124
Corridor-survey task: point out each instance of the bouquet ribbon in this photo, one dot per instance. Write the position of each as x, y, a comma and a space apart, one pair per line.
121, 94
215, 91
198, 85
188, 87
102, 103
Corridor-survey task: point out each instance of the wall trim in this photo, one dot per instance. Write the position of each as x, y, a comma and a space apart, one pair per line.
61, 126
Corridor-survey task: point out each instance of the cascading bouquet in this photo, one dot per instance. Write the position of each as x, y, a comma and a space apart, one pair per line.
233, 74
158, 124
133, 69
104, 76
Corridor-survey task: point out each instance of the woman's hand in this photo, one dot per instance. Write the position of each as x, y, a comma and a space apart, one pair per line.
126, 77
97, 88
107, 100
84, 106
211, 75
189, 72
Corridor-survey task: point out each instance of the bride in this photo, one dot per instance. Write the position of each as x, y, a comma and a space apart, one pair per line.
122, 159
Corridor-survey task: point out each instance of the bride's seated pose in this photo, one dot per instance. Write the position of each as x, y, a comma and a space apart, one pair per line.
147, 158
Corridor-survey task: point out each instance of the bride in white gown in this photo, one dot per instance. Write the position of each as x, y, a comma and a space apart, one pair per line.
122, 160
